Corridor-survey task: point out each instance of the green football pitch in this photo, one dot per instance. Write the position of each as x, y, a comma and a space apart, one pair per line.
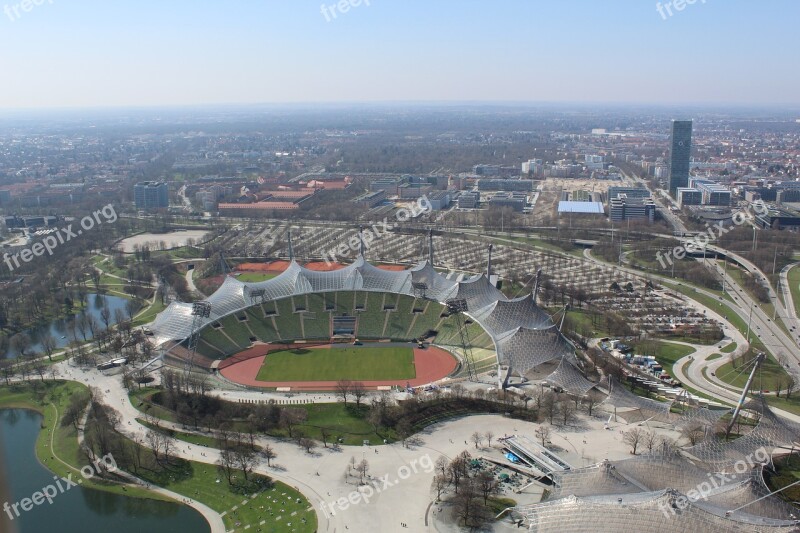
332, 364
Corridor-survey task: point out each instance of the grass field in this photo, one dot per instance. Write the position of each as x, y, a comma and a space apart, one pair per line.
255, 277
794, 286
729, 348
358, 364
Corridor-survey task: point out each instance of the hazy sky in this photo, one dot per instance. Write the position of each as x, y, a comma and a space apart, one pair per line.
67, 53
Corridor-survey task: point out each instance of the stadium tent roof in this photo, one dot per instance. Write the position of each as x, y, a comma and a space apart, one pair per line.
529, 334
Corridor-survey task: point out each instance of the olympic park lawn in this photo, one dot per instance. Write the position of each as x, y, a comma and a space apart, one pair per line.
357, 363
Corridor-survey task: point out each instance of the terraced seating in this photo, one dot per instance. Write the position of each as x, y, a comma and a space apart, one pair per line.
236, 330
214, 344
288, 321
344, 302
400, 319
316, 321
262, 327
375, 301
370, 324
426, 320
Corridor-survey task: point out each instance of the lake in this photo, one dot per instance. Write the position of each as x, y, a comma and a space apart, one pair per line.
61, 327
78, 509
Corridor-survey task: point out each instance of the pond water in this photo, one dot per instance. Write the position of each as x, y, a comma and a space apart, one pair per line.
77, 510
60, 328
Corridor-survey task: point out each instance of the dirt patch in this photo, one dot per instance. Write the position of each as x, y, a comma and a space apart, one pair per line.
321, 266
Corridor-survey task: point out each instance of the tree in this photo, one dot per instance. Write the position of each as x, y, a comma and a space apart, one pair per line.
633, 438
441, 466
226, 463
543, 434
48, 343
39, 367
477, 438
307, 444
324, 433
489, 436
268, 452
589, 401
343, 388
362, 468
245, 459
550, 406
487, 484
74, 411
567, 410
440, 481
19, 343
358, 391
651, 440
695, 433
467, 505
459, 469
105, 314
291, 417
8, 370
404, 429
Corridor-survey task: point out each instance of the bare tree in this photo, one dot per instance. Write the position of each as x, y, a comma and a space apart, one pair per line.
245, 459
489, 436
7, 369
543, 434
633, 438
358, 391
651, 440
487, 484
550, 406
362, 468
567, 410
226, 464
440, 482
695, 433
307, 444
343, 389
477, 438
48, 343
268, 453
291, 417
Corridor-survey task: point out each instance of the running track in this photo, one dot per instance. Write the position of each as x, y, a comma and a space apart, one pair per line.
431, 364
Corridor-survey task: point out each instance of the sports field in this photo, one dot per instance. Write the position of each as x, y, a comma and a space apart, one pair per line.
368, 363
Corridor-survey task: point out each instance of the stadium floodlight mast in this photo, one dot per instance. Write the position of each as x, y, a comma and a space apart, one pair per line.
257, 295
420, 287
200, 310
456, 307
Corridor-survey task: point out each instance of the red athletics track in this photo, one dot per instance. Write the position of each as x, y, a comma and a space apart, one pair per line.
431, 364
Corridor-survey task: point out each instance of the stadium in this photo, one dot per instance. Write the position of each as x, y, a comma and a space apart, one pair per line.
306, 329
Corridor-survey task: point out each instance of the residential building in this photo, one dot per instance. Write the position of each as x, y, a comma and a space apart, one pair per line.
151, 195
